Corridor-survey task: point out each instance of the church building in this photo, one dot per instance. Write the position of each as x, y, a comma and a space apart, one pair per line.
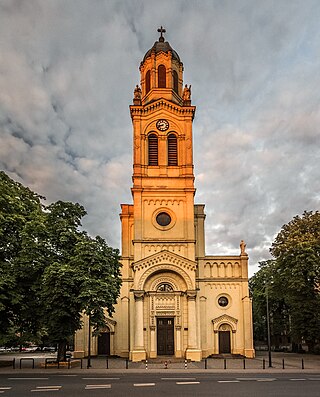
175, 301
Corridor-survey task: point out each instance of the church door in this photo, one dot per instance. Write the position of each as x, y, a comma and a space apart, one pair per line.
224, 342
165, 336
104, 343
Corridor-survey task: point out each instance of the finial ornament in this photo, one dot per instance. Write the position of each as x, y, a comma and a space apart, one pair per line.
161, 30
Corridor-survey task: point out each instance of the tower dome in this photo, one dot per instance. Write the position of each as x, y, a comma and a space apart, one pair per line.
161, 46
161, 73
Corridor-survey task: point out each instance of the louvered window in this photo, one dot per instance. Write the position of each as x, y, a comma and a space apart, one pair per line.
152, 149
147, 81
162, 76
172, 150
175, 81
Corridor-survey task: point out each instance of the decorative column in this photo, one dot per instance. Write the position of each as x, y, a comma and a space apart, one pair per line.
153, 353
138, 352
192, 353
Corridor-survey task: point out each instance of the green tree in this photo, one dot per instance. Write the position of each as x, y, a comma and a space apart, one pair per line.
51, 270
266, 283
296, 250
19, 207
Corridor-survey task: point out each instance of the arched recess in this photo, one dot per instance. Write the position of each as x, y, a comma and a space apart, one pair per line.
225, 328
148, 81
172, 150
175, 81
152, 149
105, 340
162, 76
157, 269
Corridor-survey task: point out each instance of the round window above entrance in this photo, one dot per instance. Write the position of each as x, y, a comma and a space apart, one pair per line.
223, 301
163, 219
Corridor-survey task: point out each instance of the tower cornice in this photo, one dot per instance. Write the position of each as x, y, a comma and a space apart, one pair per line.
162, 104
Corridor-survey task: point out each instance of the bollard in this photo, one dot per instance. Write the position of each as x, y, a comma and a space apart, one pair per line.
302, 364
225, 363
146, 364
244, 363
205, 364
69, 363
283, 363
107, 363
166, 365
185, 364
263, 364
127, 363
14, 363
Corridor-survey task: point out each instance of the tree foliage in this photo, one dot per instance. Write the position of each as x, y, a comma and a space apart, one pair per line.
294, 277
51, 270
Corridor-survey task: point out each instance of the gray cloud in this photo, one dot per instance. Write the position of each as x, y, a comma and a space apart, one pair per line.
67, 72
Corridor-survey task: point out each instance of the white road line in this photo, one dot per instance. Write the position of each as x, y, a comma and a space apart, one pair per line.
49, 387
101, 378
249, 378
228, 381
266, 380
313, 378
5, 388
297, 379
187, 383
178, 378
143, 384
28, 378
95, 387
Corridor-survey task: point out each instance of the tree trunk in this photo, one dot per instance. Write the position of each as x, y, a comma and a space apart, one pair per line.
62, 350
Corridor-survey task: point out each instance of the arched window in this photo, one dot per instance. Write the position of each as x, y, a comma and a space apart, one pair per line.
172, 150
164, 287
152, 149
175, 81
148, 81
162, 76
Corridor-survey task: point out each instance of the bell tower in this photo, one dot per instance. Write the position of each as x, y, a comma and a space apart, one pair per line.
163, 179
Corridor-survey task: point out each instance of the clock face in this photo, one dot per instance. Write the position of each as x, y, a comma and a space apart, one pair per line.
162, 125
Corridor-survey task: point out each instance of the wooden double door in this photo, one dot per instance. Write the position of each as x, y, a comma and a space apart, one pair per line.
165, 336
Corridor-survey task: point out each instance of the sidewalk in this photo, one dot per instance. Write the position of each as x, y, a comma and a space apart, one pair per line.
281, 362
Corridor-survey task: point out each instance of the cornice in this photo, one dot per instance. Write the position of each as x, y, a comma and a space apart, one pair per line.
162, 104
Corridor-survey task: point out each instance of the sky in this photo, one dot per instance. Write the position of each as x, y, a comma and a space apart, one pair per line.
68, 69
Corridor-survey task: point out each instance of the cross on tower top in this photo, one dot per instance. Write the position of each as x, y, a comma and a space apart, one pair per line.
161, 30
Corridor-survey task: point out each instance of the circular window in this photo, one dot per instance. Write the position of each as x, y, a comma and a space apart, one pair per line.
163, 219
223, 301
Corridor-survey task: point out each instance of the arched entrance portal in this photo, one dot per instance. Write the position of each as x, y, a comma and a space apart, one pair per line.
104, 342
224, 339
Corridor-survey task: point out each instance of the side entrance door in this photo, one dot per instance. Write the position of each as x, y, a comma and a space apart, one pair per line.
104, 343
224, 342
165, 336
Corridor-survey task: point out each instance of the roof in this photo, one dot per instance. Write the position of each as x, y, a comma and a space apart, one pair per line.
161, 46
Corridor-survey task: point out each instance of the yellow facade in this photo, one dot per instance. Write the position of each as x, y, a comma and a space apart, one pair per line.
174, 301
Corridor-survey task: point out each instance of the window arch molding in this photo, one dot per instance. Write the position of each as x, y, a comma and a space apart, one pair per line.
172, 149
162, 78
148, 81
153, 149
175, 80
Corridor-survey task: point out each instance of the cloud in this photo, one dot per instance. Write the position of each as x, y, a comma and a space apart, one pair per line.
67, 74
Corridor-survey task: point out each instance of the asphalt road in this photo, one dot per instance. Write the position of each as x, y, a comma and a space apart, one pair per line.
160, 384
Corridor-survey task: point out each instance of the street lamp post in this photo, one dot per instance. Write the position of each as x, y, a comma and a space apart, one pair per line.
268, 329
89, 343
